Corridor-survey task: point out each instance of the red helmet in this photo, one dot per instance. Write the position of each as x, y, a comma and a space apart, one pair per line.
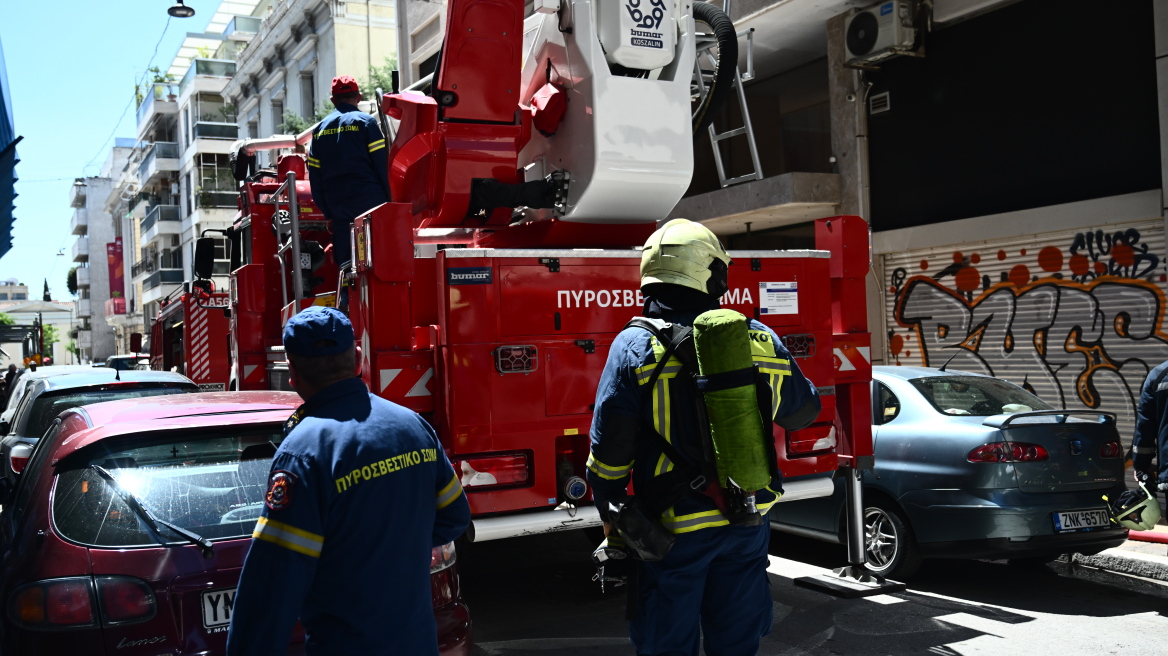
345, 84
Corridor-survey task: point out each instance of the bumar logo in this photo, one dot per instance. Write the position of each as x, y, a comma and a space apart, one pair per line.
468, 276
646, 18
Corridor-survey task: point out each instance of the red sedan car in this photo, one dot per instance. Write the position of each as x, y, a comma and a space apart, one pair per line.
128, 528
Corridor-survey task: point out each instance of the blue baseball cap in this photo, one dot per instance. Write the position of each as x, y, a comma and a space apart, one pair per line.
318, 331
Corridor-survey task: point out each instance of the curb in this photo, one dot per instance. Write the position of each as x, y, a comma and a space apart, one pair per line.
1119, 567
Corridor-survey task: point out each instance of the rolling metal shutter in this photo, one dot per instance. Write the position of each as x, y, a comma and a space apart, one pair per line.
1077, 317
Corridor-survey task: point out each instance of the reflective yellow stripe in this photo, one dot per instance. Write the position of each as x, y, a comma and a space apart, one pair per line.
763, 508
288, 536
314, 165
449, 493
607, 472
377, 145
694, 521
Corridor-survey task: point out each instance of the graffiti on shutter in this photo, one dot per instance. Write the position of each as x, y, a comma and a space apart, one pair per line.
1076, 317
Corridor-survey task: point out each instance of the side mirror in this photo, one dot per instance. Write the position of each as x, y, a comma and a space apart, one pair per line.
204, 257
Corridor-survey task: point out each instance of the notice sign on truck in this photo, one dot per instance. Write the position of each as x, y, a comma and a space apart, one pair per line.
778, 297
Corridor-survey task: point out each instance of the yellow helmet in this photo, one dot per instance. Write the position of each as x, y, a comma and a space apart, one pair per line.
685, 253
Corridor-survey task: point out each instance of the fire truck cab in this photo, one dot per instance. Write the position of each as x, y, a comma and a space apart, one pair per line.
190, 336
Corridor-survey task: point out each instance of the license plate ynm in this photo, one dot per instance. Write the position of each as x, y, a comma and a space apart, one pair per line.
217, 609
1081, 520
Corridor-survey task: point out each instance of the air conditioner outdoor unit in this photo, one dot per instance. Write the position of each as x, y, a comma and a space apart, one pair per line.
879, 32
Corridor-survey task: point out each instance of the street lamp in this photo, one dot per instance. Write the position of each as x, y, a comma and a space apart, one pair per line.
179, 10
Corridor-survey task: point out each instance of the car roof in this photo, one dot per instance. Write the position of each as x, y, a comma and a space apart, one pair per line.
105, 375
52, 371
909, 373
113, 419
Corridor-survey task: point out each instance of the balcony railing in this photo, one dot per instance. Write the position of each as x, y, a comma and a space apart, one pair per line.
158, 150
214, 199
80, 223
115, 306
81, 249
158, 93
84, 308
160, 213
83, 276
85, 339
221, 68
209, 130
243, 25
163, 277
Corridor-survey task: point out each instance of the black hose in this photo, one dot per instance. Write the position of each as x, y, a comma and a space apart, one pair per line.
719, 89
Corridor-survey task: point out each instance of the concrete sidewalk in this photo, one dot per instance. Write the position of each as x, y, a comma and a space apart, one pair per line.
1134, 565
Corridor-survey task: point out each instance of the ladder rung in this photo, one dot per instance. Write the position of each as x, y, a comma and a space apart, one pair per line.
742, 178
732, 133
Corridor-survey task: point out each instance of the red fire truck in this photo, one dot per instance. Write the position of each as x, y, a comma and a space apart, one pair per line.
190, 336
494, 319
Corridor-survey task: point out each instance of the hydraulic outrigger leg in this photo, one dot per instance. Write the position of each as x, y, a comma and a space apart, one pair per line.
854, 580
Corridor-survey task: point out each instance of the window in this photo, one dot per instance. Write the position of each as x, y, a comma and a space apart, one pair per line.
19, 296
886, 406
253, 129
210, 483
3, 296
307, 96
277, 115
978, 396
34, 421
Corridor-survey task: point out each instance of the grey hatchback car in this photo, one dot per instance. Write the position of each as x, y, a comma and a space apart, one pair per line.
970, 466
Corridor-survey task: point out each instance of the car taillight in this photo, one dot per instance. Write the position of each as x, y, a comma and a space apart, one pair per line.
495, 470
125, 600
516, 359
1008, 452
18, 457
55, 603
1112, 449
442, 557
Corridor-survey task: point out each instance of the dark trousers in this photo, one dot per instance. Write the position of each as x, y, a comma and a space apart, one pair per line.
714, 578
342, 232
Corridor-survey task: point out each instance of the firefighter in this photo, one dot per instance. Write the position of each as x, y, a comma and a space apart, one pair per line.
358, 494
348, 165
1150, 444
714, 575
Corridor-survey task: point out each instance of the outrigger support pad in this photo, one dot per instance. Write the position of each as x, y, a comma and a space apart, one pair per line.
854, 580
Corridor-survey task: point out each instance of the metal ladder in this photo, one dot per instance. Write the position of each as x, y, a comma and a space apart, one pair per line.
705, 44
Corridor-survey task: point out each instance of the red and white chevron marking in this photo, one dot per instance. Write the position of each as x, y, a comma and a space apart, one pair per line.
406, 382
199, 367
851, 358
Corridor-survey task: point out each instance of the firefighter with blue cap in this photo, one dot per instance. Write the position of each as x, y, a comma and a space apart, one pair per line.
359, 493
689, 544
348, 165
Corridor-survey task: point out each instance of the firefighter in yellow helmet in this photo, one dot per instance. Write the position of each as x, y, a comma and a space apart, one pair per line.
690, 560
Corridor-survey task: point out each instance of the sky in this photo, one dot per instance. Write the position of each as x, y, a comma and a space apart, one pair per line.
72, 72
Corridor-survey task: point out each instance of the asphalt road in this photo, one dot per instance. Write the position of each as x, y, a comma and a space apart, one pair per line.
531, 596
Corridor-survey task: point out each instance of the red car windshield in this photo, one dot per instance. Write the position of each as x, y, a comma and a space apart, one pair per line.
211, 484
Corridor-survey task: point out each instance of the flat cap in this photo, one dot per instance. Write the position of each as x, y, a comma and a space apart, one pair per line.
317, 331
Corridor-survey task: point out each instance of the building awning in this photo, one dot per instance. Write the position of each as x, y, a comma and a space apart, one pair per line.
8, 160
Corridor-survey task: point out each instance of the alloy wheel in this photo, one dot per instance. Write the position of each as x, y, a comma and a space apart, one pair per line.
880, 538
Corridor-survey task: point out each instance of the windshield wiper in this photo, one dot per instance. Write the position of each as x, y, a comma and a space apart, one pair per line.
139, 509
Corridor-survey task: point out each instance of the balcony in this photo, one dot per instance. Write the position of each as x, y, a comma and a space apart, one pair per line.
162, 277
85, 308
115, 306
206, 75
161, 220
243, 26
85, 339
77, 194
81, 249
218, 199
215, 130
160, 157
143, 267
160, 99
80, 223
772, 202
82, 277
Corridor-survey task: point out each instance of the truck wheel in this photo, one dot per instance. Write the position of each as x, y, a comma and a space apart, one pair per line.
889, 544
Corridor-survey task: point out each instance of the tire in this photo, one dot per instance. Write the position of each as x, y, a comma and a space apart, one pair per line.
727, 62
890, 547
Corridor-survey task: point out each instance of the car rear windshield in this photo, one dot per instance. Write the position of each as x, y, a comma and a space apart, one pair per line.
47, 406
210, 484
976, 395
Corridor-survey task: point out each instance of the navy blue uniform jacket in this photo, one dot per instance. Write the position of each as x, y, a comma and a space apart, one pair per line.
627, 413
1151, 440
348, 164
359, 493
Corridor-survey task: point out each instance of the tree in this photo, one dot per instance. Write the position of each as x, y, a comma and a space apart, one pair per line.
379, 77
71, 281
293, 123
6, 320
72, 347
49, 336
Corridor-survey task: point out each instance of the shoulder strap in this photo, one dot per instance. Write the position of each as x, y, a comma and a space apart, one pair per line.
669, 334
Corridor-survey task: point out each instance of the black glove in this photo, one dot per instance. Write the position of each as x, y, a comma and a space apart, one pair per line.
613, 563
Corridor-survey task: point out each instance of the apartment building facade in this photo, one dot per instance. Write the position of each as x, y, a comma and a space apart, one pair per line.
95, 252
